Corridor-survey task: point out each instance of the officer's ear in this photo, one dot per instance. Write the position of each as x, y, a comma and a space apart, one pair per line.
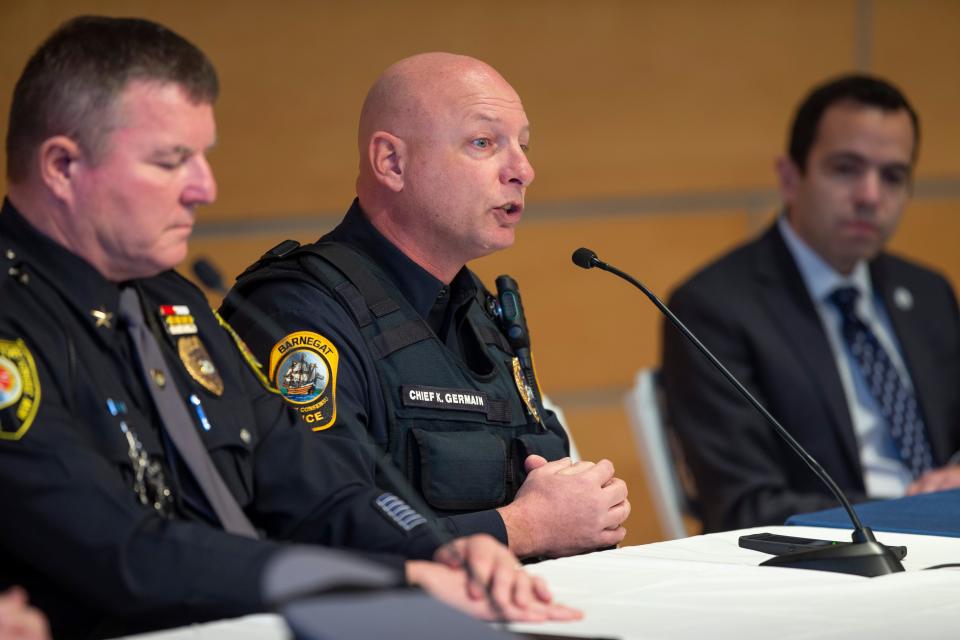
57, 160
788, 178
387, 158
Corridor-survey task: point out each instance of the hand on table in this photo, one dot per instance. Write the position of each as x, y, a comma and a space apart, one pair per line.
495, 588
936, 480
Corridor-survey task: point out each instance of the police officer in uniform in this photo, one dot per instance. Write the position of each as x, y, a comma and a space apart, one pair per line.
149, 474
379, 327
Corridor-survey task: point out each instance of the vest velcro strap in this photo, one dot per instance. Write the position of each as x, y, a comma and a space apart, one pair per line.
351, 265
354, 301
499, 410
397, 338
491, 335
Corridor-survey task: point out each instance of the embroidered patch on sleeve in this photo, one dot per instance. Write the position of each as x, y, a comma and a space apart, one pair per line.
19, 389
303, 367
248, 356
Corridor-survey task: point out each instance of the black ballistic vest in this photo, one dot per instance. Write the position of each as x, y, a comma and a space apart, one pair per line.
458, 435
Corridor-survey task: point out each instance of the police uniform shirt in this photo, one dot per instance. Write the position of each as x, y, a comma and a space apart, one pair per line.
295, 306
77, 426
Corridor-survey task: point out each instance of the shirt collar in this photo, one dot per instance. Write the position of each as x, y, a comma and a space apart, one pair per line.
822, 279
77, 281
415, 283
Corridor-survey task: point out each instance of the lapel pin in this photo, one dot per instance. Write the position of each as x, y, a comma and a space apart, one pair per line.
903, 298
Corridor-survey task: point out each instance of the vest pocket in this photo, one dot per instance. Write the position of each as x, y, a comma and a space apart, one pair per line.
548, 445
462, 470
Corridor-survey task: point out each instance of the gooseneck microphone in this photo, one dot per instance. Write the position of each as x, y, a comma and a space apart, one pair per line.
866, 556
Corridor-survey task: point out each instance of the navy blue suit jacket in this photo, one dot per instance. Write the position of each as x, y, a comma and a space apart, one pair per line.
752, 308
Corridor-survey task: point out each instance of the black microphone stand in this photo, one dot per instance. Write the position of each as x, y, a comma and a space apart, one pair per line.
866, 556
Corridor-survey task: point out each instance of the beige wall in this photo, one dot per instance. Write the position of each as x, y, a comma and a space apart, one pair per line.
654, 129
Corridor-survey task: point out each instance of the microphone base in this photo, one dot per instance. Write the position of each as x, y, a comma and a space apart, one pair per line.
867, 559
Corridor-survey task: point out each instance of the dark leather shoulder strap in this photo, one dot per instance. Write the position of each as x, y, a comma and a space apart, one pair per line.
367, 299
357, 270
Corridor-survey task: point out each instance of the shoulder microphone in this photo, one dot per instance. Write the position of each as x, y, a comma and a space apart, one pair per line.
866, 556
513, 321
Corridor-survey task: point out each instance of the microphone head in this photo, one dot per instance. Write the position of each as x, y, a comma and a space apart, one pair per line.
209, 275
585, 258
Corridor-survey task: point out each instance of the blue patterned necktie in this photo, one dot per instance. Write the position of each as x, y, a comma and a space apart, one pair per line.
896, 401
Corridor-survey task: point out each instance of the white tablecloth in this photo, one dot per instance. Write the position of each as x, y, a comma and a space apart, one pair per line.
708, 587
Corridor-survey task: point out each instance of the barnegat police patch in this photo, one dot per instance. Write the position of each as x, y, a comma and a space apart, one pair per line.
303, 367
19, 389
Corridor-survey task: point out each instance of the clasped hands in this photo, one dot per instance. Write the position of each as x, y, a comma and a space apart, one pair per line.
564, 508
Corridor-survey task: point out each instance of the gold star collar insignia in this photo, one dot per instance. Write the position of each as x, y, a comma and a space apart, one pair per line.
103, 317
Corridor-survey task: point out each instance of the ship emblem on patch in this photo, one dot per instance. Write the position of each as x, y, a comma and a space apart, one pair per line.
19, 389
303, 367
177, 319
199, 365
303, 377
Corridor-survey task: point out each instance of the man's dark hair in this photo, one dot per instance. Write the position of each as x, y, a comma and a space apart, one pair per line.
70, 84
862, 89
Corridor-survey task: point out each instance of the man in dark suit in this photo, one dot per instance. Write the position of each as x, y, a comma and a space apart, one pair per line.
856, 351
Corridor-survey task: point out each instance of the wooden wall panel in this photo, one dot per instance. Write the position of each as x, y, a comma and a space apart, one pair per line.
916, 44
930, 233
625, 97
